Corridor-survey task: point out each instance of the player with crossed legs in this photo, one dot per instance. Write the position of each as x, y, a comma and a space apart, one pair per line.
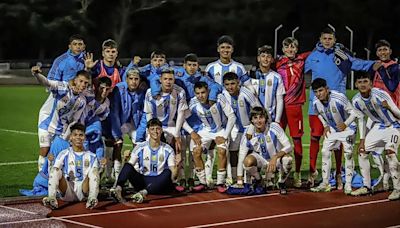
374, 103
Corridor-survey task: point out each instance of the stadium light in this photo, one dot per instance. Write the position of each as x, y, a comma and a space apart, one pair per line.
295, 30
351, 50
368, 52
276, 39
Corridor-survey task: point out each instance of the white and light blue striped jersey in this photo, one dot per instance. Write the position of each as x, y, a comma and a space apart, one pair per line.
213, 118
94, 109
217, 69
66, 108
76, 166
268, 143
337, 110
152, 162
372, 107
267, 88
167, 107
241, 106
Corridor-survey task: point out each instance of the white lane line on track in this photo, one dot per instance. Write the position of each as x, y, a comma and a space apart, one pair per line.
17, 163
19, 210
290, 214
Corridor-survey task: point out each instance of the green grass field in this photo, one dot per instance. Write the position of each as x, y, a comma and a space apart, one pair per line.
18, 137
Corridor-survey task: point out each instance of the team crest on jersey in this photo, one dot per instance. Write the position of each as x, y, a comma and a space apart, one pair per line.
262, 82
161, 158
268, 139
234, 103
213, 110
173, 102
261, 140
269, 83
241, 103
154, 157
78, 163
86, 163
334, 110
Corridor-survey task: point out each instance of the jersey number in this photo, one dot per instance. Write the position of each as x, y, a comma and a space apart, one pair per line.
394, 139
153, 167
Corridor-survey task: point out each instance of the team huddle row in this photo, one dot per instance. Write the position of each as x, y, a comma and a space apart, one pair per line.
222, 112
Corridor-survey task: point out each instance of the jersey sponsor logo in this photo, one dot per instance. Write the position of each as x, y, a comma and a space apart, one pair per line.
71, 163
269, 83
146, 158
161, 158
217, 74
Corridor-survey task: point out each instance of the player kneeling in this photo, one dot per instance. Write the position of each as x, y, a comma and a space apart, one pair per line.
75, 173
271, 148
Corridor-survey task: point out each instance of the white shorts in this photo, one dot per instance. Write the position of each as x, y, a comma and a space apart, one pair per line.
46, 108
45, 138
262, 163
388, 138
128, 128
235, 139
207, 138
74, 192
334, 140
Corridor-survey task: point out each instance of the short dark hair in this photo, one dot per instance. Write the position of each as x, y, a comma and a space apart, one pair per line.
225, 39
103, 80
154, 122
78, 126
199, 85
76, 37
382, 43
364, 75
167, 70
191, 57
318, 83
258, 111
328, 30
109, 43
83, 73
230, 76
265, 49
157, 53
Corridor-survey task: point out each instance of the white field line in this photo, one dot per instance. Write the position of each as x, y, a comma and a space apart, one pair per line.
395, 226
141, 209
17, 163
291, 214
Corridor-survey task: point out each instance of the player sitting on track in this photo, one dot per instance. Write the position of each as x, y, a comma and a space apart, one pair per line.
155, 163
336, 115
271, 148
75, 173
217, 121
374, 103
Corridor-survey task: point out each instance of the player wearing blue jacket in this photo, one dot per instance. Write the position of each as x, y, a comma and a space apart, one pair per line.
332, 62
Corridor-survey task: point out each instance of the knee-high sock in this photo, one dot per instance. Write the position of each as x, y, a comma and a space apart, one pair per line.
394, 173
285, 168
314, 148
338, 158
94, 180
201, 174
326, 165
365, 169
117, 168
228, 165
109, 165
349, 163
298, 153
378, 160
221, 177
41, 160
209, 165
54, 181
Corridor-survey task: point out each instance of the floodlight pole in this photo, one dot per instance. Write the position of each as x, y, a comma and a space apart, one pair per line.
368, 52
351, 50
295, 30
332, 27
276, 39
